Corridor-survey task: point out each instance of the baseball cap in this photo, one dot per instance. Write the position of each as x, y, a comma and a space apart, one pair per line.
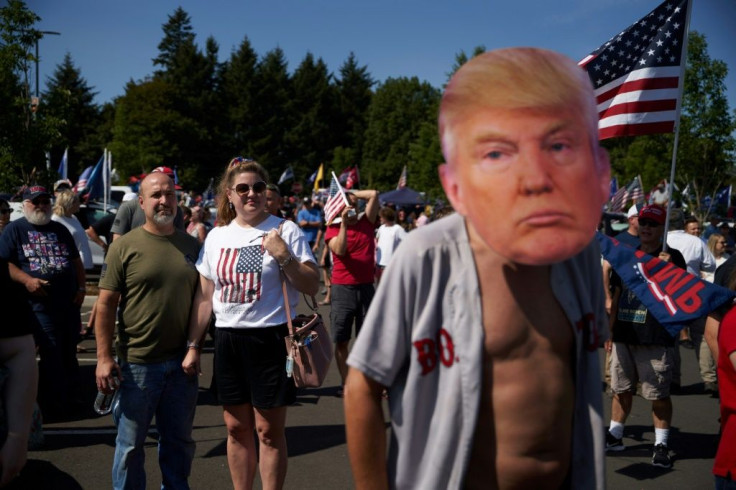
168, 171
273, 188
35, 191
654, 213
633, 210
62, 184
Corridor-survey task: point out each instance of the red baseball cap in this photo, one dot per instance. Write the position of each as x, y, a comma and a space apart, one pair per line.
168, 171
653, 212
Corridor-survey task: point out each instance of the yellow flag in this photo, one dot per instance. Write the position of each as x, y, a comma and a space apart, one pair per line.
318, 179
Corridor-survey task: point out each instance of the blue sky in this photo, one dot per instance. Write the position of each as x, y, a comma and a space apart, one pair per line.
112, 42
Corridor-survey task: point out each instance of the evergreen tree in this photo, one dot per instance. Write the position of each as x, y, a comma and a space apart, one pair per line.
70, 99
311, 139
238, 92
397, 111
355, 93
271, 117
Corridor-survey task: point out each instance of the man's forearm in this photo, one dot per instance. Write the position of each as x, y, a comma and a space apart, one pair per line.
105, 323
366, 434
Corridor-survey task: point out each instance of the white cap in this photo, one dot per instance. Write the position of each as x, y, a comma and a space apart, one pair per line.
129, 195
633, 211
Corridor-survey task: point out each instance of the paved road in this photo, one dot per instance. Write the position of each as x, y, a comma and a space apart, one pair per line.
78, 453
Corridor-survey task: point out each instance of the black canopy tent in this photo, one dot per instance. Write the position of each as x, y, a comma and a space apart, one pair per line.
402, 197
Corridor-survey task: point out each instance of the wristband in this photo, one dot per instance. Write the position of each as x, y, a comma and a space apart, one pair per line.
192, 344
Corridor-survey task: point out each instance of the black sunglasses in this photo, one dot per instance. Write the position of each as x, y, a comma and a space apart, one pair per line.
243, 189
41, 201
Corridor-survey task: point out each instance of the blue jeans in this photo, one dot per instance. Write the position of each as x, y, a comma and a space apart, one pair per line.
164, 390
725, 483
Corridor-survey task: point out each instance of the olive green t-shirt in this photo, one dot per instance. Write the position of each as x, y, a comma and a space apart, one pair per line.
156, 277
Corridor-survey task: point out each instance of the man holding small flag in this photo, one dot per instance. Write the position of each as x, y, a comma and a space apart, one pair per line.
351, 239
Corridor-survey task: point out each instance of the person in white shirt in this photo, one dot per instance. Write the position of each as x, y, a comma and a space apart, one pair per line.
388, 237
65, 205
699, 261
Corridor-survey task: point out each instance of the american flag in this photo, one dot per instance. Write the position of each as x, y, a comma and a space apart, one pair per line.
402, 179
632, 192
239, 273
335, 202
637, 73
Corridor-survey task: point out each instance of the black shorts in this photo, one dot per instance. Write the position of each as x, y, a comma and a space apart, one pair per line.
250, 367
349, 304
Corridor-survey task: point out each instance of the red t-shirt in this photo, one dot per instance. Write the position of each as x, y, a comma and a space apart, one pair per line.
725, 462
358, 264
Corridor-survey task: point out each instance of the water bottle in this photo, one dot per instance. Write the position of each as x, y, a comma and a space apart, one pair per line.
104, 401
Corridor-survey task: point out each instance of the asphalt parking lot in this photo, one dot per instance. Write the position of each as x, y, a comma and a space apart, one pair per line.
78, 452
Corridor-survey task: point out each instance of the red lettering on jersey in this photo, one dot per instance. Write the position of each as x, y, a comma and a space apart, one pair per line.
426, 355
445, 347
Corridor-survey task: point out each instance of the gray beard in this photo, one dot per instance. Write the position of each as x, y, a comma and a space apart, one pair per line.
163, 219
38, 218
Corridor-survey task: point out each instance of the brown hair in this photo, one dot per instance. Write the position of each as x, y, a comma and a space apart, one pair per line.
237, 166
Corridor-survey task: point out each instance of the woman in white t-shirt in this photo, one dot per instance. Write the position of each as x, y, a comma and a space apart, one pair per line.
240, 269
66, 204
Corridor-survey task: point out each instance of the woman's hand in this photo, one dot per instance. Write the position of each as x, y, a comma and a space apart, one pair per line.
275, 246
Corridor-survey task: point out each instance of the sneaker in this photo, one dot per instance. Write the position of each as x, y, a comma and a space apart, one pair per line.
711, 387
661, 456
614, 443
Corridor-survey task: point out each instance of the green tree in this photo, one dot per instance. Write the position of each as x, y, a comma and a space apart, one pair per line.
397, 111
71, 100
311, 138
462, 57
355, 92
238, 92
147, 128
25, 132
270, 112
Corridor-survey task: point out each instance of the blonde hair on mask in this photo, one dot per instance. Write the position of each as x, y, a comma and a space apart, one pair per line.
516, 78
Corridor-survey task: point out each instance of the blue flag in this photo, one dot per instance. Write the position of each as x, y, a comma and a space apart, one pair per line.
95, 185
64, 165
674, 296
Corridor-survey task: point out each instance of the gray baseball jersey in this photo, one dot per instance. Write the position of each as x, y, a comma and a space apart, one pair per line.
423, 339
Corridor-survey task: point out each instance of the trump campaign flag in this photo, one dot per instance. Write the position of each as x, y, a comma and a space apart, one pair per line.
674, 296
637, 75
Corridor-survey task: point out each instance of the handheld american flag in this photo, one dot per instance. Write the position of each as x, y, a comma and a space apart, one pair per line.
637, 74
402, 179
336, 201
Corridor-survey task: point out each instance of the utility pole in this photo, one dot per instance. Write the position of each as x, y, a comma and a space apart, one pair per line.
35, 100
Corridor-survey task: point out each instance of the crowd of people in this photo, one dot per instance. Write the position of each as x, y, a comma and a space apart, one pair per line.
487, 330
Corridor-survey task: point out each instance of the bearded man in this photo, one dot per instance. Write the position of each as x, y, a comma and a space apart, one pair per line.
42, 257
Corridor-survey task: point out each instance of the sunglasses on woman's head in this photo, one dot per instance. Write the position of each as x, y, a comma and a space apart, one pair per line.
243, 189
238, 160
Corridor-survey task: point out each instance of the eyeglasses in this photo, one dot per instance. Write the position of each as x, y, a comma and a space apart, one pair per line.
41, 201
6, 211
649, 223
243, 189
238, 160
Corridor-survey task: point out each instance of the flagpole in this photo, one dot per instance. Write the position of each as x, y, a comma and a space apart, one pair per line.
339, 188
678, 110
